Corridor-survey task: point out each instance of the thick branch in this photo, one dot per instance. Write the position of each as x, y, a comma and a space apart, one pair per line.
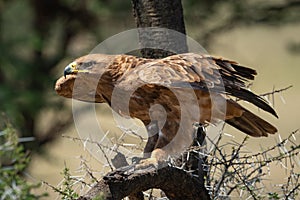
176, 183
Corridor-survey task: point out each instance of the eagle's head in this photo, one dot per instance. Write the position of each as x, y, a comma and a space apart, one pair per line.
91, 64
83, 77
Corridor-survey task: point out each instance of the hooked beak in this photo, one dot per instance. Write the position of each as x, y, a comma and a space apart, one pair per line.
70, 69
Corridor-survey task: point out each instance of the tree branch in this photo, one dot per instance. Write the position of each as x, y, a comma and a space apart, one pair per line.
176, 183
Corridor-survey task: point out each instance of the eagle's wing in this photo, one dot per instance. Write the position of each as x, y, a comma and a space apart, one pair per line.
201, 72
173, 71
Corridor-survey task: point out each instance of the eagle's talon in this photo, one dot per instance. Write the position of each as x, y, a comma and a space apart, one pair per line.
136, 159
147, 163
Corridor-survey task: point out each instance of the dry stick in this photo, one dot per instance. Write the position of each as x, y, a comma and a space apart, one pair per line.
269, 160
89, 171
272, 93
295, 188
106, 158
234, 157
293, 191
210, 163
95, 142
238, 183
226, 165
288, 182
55, 189
275, 146
289, 154
264, 162
245, 183
82, 182
235, 153
276, 91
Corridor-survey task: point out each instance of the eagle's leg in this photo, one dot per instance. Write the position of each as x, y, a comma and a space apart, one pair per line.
157, 156
153, 133
196, 161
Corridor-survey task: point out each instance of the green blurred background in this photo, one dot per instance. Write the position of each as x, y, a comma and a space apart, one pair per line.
39, 37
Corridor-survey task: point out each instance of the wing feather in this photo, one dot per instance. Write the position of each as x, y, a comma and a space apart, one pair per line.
201, 72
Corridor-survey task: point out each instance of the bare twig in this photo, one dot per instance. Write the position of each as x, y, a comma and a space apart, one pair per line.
276, 91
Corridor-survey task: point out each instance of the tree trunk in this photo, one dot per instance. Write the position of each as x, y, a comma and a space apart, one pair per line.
167, 36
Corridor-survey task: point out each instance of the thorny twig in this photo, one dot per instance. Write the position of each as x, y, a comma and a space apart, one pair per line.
84, 167
249, 169
276, 91
237, 171
267, 94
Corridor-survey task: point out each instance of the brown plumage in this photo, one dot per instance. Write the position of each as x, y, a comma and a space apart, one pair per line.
148, 82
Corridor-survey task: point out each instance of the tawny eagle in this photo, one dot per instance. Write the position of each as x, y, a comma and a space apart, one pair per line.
152, 81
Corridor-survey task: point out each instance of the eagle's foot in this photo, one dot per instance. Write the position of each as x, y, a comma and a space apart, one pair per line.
157, 159
147, 163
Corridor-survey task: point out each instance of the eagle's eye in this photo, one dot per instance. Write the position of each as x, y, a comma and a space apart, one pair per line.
88, 64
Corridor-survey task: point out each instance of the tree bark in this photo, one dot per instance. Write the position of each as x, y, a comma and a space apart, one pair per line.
166, 16
176, 183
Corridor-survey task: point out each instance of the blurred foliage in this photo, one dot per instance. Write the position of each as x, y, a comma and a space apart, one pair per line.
68, 192
36, 36
215, 17
67, 189
13, 161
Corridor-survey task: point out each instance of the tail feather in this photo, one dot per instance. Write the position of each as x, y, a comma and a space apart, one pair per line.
252, 98
252, 125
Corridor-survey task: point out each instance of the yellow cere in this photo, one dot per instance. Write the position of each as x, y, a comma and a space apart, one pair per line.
73, 65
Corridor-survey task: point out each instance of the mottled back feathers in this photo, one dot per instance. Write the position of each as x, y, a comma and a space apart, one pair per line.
202, 73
